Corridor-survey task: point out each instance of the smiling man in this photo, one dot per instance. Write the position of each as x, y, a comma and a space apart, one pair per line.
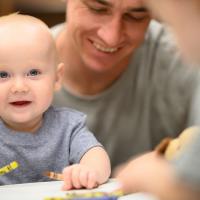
118, 64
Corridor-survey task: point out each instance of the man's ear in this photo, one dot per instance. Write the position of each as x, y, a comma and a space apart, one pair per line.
59, 74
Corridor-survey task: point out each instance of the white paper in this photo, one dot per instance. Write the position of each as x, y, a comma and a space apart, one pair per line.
42, 190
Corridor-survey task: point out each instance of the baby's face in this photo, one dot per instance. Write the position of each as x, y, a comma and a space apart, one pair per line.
27, 80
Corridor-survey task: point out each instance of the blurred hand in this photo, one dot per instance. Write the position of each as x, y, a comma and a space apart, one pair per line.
140, 173
152, 174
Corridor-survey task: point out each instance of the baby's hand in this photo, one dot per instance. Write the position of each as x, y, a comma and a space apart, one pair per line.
79, 176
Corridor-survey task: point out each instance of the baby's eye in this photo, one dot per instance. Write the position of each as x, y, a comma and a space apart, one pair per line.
4, 75
34, 72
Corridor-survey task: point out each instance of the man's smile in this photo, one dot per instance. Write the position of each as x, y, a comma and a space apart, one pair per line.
104, 49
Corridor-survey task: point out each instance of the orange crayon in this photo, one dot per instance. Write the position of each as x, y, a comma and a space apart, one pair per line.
54, 175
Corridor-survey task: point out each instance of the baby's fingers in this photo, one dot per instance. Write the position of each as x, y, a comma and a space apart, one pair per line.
83, 177
92, 180
67, 177
76, 177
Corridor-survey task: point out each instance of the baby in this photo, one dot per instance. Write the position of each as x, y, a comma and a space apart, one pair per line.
36, 137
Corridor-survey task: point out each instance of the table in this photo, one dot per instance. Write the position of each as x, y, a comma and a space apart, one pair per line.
41, 190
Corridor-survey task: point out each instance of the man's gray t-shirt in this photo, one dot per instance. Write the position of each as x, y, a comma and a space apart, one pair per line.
62, 140
149, 101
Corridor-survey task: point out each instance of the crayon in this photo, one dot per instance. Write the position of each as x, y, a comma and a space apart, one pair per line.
8, 168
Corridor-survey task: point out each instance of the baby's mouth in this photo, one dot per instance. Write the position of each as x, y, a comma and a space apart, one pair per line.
20, 103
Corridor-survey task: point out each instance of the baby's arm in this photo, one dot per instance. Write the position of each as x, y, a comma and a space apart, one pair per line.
94, 169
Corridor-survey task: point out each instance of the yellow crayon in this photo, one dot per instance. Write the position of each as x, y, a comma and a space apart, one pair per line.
8, 168
117, 193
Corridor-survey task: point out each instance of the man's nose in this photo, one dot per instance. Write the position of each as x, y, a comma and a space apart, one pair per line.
111, 32
19, 86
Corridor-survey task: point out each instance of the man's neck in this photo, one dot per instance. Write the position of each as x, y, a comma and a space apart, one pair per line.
86, 83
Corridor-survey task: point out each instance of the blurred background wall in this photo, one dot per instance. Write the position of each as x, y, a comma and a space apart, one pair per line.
50, 11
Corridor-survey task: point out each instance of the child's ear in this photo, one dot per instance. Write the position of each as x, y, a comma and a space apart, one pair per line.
59, 73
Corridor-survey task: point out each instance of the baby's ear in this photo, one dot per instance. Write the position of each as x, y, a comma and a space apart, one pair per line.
59, 73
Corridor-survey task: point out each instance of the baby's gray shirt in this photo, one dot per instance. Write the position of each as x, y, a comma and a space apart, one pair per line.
62, 140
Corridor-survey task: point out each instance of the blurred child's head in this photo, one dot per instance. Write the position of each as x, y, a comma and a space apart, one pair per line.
29, 71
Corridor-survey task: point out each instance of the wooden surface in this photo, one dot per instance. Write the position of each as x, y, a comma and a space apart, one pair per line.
50, 11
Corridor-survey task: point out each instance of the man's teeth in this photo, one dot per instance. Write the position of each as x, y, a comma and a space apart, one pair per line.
105, 49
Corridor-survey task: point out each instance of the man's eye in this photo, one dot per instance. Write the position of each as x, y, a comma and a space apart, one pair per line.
34, 72
138, 17
4, 75
98, 10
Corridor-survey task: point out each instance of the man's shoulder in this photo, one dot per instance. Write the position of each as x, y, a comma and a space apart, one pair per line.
158, 44
160, 34
155, 27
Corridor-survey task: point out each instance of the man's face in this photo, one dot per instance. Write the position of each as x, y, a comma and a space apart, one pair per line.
105, 33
